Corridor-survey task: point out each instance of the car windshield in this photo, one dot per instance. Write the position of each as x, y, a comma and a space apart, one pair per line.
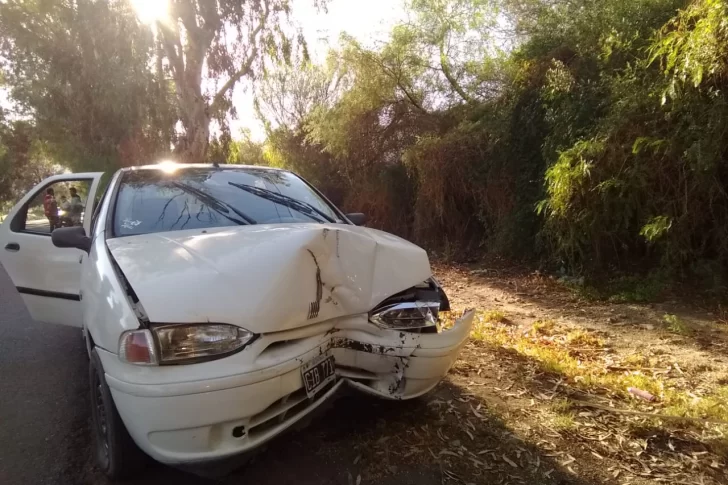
194, 198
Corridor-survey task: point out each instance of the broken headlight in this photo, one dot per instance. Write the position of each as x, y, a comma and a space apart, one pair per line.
415, 315
415, 309
182, 344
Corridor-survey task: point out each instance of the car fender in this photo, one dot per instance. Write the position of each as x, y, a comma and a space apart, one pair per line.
106, 308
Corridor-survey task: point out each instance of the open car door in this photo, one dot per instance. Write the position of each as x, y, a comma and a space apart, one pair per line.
47, 277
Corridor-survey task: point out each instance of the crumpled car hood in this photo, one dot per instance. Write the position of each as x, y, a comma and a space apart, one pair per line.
267, 278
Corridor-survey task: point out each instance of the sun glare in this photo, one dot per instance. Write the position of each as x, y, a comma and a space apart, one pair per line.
151, 11
168, 166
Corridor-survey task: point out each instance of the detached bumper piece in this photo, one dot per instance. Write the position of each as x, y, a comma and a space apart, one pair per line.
193, 422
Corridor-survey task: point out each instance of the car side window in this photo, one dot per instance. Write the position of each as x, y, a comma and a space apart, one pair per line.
59, 204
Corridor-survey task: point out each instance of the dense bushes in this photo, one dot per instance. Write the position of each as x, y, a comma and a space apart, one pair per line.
599, 141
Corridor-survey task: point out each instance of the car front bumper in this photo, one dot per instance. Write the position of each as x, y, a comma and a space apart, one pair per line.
205, 412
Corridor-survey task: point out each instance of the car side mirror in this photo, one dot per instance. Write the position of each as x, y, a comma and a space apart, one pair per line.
71, 237
357, 218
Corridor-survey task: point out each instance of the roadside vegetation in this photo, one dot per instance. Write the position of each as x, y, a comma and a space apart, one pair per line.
589, 135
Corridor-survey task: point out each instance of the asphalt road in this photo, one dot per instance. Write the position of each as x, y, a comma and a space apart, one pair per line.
43, 396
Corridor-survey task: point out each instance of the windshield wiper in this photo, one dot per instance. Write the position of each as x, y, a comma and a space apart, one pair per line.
216, 204
284, 200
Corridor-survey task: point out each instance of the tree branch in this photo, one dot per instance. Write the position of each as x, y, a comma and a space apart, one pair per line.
246, 66
242, 72
186, 12
170, 47
397, 80
415, 103
448, 74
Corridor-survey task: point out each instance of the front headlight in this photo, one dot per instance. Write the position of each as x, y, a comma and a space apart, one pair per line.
182, 344
407, 316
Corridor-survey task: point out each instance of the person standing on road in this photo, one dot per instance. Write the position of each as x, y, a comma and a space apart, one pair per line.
50, 207
76, 207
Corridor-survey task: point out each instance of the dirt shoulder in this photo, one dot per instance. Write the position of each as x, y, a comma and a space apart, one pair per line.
556, 367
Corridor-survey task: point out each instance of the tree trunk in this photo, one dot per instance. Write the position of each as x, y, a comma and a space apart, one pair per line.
192, 147
186, 53
195, 114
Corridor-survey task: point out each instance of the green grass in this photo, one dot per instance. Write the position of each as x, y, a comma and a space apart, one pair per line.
636, 289
582, 338
676, 325
637, 360
544, 327
495, 316
563, 418
563, 422
561, 406
550, 347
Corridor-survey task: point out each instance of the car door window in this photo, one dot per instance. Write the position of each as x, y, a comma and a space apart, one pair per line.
59, 204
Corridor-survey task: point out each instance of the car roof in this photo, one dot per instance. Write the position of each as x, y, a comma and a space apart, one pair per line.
182, 166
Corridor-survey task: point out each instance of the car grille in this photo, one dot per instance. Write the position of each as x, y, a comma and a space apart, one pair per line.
285, 408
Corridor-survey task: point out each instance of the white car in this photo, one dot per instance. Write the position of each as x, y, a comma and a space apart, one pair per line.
222, 304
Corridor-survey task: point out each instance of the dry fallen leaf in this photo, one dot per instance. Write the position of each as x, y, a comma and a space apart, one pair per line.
509, 461
569, 461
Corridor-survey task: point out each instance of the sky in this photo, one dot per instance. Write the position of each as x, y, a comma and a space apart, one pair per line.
369, 21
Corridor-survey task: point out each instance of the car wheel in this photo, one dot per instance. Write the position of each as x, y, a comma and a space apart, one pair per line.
116, 453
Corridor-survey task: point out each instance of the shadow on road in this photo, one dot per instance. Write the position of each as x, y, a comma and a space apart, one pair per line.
419, 442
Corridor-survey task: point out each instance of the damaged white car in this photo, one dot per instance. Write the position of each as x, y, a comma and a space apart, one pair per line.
222, 304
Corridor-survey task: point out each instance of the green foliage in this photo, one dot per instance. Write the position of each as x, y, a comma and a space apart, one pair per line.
656, 228
25, 160
639, 179
693, 47
676, 325
81, 72
561, 147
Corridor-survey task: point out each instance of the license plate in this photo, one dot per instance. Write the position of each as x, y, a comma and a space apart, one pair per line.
317, 373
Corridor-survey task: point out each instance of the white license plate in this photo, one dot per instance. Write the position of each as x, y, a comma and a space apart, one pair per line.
317, 373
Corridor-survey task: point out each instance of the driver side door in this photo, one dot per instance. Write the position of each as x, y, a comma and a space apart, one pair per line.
49, 278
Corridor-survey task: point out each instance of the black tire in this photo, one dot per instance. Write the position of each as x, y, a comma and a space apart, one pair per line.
116, 453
